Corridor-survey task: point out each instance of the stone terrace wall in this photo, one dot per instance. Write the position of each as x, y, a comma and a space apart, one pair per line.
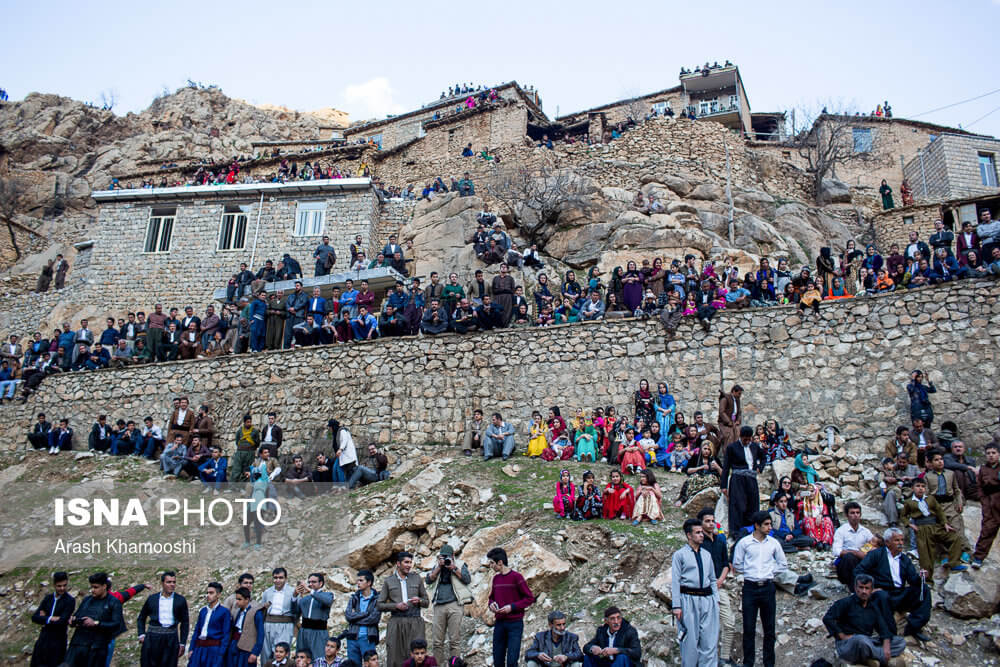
891, 226
848, 368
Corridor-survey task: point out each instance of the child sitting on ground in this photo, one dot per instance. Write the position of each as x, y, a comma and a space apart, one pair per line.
418, 655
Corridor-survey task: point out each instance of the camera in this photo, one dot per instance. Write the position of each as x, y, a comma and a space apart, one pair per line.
447, 562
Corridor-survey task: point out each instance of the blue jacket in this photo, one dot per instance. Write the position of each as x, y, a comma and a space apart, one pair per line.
66, 340
220, 467
398, 301
218, 625
258, 312
109, 337
316, 305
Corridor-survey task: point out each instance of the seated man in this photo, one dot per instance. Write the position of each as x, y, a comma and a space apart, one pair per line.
593, 307
38, 437
850, 544
98, 358
298, 480
418, 655
616, 643
435, 319
190, 345
172, 459
306, 333
391, 323
125, 439
784, 528
926, 518
901, 443
365, 325
100, 435
465, 318
373, 469
498, 439
851, 622
8, 385
61, 439
170, 345
554, 647
151, 438
899, 586
122, 355
140, 353
489, 315
737, 296
212, 472
475, 428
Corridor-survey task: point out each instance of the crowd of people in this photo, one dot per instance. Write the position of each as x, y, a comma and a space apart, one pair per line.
252, 319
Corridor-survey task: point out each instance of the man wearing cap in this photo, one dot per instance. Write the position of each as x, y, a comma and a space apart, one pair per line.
325, 257
448, 587
247, 442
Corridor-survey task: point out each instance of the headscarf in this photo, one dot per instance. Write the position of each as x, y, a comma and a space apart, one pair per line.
644, 393
616, 280
838, 287
807, 470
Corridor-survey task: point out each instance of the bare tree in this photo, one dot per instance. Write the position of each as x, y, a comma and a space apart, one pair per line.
536, 196
636, 110
11, 194
830, 142
109, 98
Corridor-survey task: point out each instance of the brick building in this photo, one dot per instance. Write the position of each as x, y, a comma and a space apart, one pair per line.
177, 245
954, 166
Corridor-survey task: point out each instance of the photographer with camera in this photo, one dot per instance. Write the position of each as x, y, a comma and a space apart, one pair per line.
449, 592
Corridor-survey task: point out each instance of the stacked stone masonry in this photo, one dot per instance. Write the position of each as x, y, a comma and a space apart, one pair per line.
848, 368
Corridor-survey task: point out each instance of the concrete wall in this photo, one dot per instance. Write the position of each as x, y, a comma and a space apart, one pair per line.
847, 368
124, 276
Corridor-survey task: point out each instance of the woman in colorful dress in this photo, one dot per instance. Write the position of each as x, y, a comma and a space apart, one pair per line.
564, 502
815, 518
537, 442
664, 406
703, 471
586, 442
644, 403
778, 444
632, 458
589, 504
619, 498
648, 499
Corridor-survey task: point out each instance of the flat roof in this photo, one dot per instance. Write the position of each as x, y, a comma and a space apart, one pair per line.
383, 278
189, 191
602, 107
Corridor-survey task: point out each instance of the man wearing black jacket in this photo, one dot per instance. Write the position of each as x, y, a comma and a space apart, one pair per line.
53, 615
362, 616
615, 644
898, 584
555, 647
166, 612
98, 620
39, 435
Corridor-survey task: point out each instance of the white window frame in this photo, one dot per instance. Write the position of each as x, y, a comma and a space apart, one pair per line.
734, 101
310, 218
162, 222
229, 228
987, 163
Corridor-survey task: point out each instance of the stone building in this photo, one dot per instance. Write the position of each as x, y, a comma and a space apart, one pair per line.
177, 245
954, 166
396, 131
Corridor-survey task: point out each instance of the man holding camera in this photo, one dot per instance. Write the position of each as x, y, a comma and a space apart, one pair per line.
448, 583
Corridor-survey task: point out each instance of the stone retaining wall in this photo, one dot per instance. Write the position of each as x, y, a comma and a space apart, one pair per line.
848, 368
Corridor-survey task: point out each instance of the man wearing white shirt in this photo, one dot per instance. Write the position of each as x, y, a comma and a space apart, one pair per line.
279, 624
343, 450
898, 583
165, 612
759, 557
848, 544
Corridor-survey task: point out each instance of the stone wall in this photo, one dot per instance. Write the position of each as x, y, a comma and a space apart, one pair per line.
848, 367
895, 225
124, 276
393, 215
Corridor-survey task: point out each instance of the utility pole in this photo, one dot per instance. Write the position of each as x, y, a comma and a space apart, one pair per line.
729, 194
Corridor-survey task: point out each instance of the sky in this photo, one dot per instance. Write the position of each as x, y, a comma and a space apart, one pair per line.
374, 59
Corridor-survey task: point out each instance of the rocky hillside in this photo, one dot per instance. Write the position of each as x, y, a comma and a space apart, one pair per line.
436, 496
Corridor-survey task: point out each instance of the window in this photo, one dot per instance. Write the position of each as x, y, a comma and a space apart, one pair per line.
310, 218
988, 169
733, 101
375, 139
907, 219
862, 139
160, 230
233, 228
660, 107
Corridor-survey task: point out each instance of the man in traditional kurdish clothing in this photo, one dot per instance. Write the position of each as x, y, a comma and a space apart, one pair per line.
212, 631
312, 605
279, 624
403, 595
247, 442
695, 598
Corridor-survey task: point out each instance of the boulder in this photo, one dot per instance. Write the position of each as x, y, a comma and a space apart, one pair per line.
974, 593
707, 191
371, 547
782, 468
421, 518
424, 481
660, 586
681, 185
541, 569
704, 498
474, 552
832, 191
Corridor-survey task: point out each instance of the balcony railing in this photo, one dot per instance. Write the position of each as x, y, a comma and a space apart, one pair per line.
712, 110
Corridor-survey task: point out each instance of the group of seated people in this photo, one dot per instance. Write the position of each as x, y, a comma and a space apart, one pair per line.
464, 186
